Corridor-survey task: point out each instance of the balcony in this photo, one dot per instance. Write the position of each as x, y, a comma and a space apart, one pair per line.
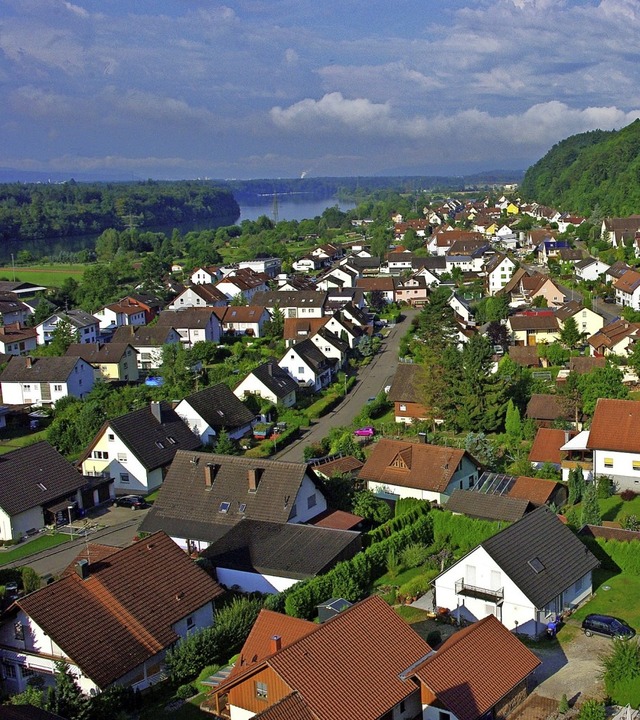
463, 588
573, 464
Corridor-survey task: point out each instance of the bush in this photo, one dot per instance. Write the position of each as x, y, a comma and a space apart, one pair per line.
184, 692
592, 710
206, 673
630, 522
415, 587
434, 638
621, 664
605, 487
627, 495
415, 555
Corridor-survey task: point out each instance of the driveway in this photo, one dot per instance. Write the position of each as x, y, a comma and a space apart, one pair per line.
372, 379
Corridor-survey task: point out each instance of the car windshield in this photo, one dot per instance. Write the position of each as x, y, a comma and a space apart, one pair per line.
619, 627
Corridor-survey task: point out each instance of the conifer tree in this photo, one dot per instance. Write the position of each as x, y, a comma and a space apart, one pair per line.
590, 508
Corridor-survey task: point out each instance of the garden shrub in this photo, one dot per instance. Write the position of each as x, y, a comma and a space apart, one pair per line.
592, 710
415, 587
627, 495
460, 533
398, 522
184, 692
620, 555
415, 555
604, 487
405, 505
621, 664
434, 638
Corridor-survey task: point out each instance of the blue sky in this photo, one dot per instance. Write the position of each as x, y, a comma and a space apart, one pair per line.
277, 88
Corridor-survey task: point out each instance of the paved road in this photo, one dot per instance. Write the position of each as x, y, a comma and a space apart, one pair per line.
371, 380
609, 311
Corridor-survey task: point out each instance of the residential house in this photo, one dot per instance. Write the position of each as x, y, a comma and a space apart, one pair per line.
44, 380
269, 266
21, 289
87, 327
340, 276
294, 283
400, 469
525, 355
527, 575
413, 290
546, 409
536, 491
461, 309
205, 495
136, 449
200, 295
151, 304
576, 453
617, 231
546, 447
498, 270
384, 285
308, 365
534, 328
627, 289
587, 321
12, 310
614, 439
206, 275
147, 341
17, 340
39, 487
590, 269
399, 261
110, 361
615, 338
243, 319
243, 283
296, 303
271, 382
488, 507
134, 612
369, 660
213, 409
307, 263
298, 329
196, 324
331, 346
405, 393
125, 312
616, 271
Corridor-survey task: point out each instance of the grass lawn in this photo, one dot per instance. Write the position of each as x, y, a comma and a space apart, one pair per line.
613, 508
155, 706
616, 601
43, 542
410, 614
12, 440
47, 275
399, 578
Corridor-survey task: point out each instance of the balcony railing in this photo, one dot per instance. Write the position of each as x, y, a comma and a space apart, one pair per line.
573, 464
463, 588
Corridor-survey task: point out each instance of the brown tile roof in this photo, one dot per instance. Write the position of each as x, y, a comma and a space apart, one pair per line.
291, 707
130, 600
586, 363
476, 668
96, 353
613, 333
525, 355
547, 444
337, 520
39, 369
241, 313
629, 282
425, 467
406, 383
615, 426
386, 284
13, 332
300, 328
544, 407
537, 321
341, 466
537, 490
94, 553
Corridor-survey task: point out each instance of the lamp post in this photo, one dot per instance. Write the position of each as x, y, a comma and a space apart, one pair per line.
70, 508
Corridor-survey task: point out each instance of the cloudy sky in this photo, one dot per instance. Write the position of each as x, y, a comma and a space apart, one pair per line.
277, 88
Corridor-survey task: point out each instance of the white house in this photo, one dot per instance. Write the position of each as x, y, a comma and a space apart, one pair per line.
587, 321
135, 616
308, 365
270, 382
196, 324
148, 341
17, 340
206, 275
199, 295
86, 326
591, 269
498, 271
331, 346
627, 289
115, 315
526, 575
43, 381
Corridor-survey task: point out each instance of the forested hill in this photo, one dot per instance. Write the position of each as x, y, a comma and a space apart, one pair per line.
591, 170
40, 211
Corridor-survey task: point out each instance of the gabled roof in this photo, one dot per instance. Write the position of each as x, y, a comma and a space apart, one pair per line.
241, 313
35, 475
477, 667
96, 353
615, 332
541, 541
628, 283
78, 318
615, 426
154, 442
404, 384
547, 444
39, 369
525, 355
284, 549
543, 406
275, 379
308, 351
486, 506
291, 298
360, 659
586, 363
298, 328
128, 603
414, 465
533, 321
195, 317
330, 337
220, 408
143, 335
538, 491
207, 292
187, 507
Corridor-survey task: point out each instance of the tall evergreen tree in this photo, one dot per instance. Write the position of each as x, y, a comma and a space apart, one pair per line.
576, 485
66, 698
590, 508
570, 335
225, 445
513, 424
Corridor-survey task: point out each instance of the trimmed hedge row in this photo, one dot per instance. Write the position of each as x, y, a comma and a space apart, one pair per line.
353, 578
460, 533
398, 522
617, 554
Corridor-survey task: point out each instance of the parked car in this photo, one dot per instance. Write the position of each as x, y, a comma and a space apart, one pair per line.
365, 431
608, 626
135, 502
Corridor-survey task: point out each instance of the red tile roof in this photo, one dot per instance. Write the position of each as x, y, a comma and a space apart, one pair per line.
476, 668
291, 707
538, 490
547, 444
615, 426
122, 614
337, 520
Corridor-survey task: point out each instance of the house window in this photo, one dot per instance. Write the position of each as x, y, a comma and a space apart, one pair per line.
26, 388
403, 408
26, 672
300, 371
57, 388
635, 464
100, 455
122, 457
9, 671
190, 622
608, 462
261, 690
124, 478
159, 445
18, 631
311, 501
444, 715
111, 437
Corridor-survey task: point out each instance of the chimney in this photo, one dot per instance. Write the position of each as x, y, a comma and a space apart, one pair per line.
276, 643
156, 411
210, 472
254, 475
28, 361
2, 330
82, 569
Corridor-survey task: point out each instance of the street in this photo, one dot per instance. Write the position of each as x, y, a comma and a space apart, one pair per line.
371, 380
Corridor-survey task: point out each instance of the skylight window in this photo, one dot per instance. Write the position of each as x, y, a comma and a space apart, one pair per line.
42, 487
242, 508
224, 507
172, 440
159, 444
536, 565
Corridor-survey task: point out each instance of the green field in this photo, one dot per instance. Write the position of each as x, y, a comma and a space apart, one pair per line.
47, 275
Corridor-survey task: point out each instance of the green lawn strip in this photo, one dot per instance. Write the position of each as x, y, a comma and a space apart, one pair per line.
615, 601
399, 578
9, 443
49, 276
410, 614
44, 542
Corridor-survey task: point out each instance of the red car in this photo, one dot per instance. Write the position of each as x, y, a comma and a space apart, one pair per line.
365, 431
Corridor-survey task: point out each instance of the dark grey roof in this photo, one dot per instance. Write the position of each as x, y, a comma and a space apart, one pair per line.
139, 335
432, 262
195, 317
283, 549
290, 298
186, 506
540, 536
487, 507
220, 408
78, 318
332, 338
312, 355
111, 352
275, 379
43, 369
27, 712
151, 440
35, 475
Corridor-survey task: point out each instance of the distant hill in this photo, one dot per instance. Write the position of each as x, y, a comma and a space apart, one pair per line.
592, 170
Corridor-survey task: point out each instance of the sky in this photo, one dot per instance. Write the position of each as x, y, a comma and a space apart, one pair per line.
174, 89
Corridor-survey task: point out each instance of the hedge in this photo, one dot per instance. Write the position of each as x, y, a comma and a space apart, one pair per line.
352, 579
460, 533
398, 522
618, 555
323, 405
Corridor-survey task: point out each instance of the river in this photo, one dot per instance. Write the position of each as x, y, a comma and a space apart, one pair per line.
290, 207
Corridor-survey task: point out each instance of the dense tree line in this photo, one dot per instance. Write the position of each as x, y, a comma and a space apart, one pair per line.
593, 169
31, 212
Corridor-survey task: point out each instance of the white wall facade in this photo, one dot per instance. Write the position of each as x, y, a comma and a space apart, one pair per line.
253, 582
205, 432
623, 467
309, 502
252, 386
14, 528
